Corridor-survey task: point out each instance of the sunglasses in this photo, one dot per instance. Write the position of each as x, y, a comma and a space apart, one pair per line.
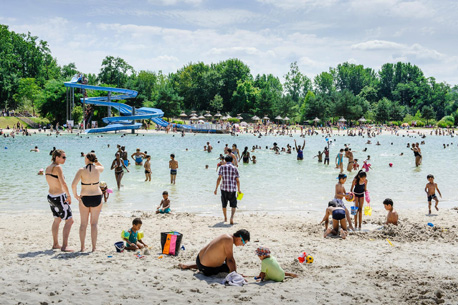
64, 157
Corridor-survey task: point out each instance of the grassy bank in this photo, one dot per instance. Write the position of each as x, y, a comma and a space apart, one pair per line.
12, 121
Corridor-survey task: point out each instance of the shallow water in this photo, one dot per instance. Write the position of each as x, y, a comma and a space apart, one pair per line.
277, 183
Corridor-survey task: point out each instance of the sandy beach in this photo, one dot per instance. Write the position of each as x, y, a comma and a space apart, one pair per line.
418, 267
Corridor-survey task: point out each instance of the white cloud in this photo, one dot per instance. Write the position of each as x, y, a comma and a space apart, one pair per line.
378, 45
298, 4
175, 2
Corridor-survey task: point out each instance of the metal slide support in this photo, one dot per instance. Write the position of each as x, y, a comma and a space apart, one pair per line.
109, 100
67, 103
84, 113
133, 113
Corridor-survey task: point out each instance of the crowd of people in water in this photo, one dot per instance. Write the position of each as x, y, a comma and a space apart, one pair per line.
338, 219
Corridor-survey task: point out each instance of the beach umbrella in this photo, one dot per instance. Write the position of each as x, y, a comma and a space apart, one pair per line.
255, 118
266, 118
200, 121
362, 119
183, 115
239, 117
286, 118
208, 115
279, 118
193, 118
316, 120
201, 117
342, 119
228, 117
244, 124
218, 114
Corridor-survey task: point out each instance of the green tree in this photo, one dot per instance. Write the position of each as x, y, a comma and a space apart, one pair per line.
244, 97
231, 71
77, 114
427, 112
68, 71
353, 77
52, 102
166, 98
383, 110
27, 92
216, 104
296, 84
324, 83
115, 71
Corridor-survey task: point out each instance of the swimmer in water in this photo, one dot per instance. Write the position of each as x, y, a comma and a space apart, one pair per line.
118, 165
300, 150
147, 167
35, 149
138, 157
173, 165
319, 156
339, 160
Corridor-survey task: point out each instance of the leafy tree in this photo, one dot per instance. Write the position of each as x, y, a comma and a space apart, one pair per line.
166, 98
231, 72
353, 77
296, 84
383, 110
244, 97
324, 83
52, 102
68, 71
427, 112
115, 71
216, 104
77, 114
27, 92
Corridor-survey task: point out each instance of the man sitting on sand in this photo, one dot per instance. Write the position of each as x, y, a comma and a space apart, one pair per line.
218, 255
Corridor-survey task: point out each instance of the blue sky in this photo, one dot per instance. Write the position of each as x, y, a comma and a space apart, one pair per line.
266, 34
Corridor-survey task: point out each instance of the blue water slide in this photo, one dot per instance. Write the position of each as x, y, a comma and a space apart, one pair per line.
127, 119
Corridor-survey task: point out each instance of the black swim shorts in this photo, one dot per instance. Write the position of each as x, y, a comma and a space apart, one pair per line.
229, 196
209, 271
430, 198
59, 207
338, 214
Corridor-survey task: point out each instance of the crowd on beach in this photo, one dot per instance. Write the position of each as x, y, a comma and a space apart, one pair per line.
217, 256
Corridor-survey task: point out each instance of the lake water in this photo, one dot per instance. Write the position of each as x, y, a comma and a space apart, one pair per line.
277, 183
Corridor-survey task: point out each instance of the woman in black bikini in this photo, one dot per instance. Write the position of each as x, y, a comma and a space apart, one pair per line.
417, 153
245, 156
359, 188
118, 165
90, 197
59, 199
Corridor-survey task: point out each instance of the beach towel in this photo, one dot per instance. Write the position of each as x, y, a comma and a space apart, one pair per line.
234, 279
170, 243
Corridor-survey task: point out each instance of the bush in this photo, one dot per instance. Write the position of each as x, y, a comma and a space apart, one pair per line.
177, 122
233, 120
446, 121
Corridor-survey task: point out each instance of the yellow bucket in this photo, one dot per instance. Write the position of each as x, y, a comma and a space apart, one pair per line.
239, 196
368, 210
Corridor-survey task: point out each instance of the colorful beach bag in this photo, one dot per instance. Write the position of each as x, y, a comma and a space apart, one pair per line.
171, 242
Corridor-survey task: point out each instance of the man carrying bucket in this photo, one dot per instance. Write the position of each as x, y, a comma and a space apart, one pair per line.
231, 183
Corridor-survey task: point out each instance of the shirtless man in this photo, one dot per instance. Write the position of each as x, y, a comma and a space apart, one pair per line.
59, 199
209, 147
218, 255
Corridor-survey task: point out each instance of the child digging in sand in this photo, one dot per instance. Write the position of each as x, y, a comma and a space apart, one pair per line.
339, 217
270, 269
392, 216
133, 238
430, 190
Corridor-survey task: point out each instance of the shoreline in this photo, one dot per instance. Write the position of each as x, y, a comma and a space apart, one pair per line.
410, 271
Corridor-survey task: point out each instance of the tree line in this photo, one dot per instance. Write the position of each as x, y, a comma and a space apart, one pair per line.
31, 80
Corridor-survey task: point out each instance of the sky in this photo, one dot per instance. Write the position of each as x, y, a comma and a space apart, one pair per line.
268, 35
